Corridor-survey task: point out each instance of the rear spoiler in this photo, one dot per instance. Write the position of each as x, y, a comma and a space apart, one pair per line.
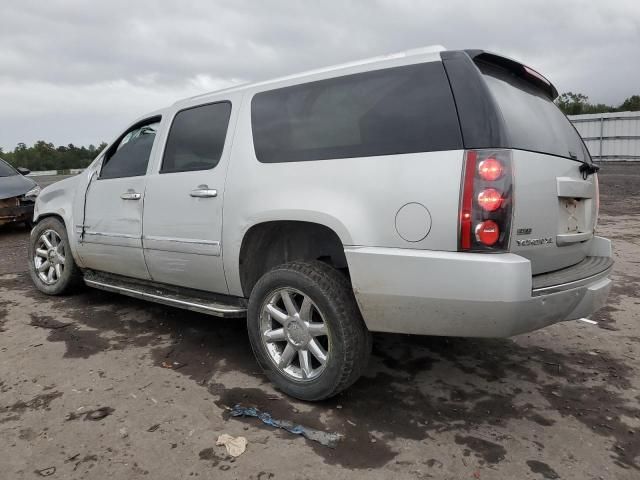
526, 73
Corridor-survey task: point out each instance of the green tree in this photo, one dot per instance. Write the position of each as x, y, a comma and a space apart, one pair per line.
46, 156
631, 104
577, 104
572, 103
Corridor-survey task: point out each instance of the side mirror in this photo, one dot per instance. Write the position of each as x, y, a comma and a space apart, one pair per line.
23, 171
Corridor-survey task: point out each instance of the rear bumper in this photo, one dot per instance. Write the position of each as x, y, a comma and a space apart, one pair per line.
16, 214
467, 294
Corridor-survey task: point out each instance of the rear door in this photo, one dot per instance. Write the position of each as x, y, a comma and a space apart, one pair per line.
184, 199
555, 205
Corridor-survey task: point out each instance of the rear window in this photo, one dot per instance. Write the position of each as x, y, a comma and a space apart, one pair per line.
196, 139
399, 110
532, 120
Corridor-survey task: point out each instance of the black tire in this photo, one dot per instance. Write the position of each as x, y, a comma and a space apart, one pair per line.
71, 277
349, 341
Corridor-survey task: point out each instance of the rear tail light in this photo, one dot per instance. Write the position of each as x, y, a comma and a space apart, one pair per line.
597, 182
487, 232
486, 201
490, 169
490, 199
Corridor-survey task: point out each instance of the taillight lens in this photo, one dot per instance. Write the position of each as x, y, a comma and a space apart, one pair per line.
595, 179
487, 232
490, 199
490, 169
486, 201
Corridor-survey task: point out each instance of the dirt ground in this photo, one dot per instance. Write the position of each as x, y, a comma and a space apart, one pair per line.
85, 392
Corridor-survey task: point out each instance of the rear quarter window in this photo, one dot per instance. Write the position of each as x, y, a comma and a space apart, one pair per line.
398, 110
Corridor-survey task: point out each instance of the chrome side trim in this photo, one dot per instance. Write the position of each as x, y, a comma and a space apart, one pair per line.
182, 245
183, 240
105, 234
116, 239
569, 285
219, 310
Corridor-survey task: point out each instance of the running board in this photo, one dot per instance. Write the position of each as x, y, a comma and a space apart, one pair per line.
188, 299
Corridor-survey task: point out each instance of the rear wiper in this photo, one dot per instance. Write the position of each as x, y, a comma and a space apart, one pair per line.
587, 169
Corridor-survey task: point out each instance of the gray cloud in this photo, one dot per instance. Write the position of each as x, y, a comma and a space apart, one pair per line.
77, 71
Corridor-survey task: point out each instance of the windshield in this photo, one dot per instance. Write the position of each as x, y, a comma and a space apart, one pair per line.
6, 170
532, 120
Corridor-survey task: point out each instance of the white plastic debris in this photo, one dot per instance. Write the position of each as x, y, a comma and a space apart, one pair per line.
235, 445
588, 320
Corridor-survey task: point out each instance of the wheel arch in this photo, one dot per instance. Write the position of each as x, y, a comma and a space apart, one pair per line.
270, 243
57, 215
67, 223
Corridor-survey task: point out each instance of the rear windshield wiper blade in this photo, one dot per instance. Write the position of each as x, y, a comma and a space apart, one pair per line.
587, 169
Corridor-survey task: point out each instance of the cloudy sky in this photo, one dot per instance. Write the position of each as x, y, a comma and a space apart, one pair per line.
78, 71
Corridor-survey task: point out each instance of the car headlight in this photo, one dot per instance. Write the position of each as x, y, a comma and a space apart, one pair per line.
33, 193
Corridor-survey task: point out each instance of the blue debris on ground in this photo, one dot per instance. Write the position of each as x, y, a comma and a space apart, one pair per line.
328, 439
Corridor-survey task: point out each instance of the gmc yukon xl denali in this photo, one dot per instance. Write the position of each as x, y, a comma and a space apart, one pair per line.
430, 192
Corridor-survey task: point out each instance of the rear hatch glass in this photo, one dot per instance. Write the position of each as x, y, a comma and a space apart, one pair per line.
533, 122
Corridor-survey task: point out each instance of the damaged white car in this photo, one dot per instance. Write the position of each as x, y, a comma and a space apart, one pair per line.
431, 192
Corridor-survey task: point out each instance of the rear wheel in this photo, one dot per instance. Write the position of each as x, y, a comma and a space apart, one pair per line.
306, 330
51, 264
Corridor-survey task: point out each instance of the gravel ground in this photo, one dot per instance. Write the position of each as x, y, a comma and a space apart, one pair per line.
85, 392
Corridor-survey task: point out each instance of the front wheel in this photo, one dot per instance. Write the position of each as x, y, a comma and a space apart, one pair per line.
306, 330
51, 264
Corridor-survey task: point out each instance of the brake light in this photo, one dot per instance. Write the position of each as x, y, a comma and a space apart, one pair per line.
486, 199
490, 199
466, 212
535, 74
597, 182
487, 232
490, 169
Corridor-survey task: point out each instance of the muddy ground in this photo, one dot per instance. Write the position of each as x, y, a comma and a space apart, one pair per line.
85, 392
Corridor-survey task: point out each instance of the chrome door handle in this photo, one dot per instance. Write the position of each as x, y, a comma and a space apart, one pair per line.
203, 191
131, 196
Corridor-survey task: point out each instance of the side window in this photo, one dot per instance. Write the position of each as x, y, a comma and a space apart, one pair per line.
196, 138
130, 156
396, 110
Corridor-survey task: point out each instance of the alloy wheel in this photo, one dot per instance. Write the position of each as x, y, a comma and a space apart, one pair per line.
294, 334
49, 258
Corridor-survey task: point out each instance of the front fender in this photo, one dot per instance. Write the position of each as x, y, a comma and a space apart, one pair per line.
60, 199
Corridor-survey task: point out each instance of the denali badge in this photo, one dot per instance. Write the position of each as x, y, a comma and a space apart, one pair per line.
534, 241
523, 231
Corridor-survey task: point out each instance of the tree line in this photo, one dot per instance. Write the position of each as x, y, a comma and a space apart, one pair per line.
577, 104
46, 156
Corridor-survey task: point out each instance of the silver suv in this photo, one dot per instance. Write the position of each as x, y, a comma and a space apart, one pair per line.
431, 192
